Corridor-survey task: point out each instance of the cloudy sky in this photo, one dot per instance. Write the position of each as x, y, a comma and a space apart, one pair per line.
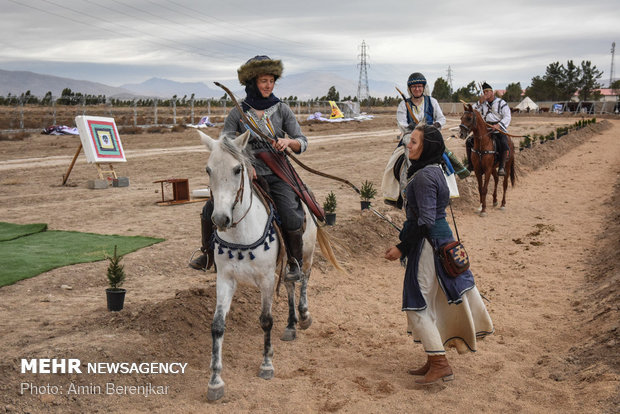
129, 41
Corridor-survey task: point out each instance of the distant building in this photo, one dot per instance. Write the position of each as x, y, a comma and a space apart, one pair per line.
608, 95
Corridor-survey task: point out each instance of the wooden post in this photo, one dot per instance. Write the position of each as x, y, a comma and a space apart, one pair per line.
101, 171
66, 176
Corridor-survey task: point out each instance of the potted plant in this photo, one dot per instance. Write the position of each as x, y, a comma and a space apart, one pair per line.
329, 206
116, 276
367, 193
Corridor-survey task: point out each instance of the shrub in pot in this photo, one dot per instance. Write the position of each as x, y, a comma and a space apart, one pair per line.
329, 206
115, 295
367, 193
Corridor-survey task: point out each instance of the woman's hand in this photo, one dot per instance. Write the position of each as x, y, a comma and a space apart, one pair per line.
393, 253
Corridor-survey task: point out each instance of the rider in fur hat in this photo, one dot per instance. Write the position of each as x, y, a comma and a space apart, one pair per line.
277, 120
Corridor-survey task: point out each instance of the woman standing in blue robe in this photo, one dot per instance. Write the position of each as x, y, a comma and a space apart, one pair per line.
441, 311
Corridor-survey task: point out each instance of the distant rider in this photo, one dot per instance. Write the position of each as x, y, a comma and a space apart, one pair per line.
496, 112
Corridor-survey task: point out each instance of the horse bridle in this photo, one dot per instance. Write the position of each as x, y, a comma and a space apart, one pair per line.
465, 127
468, 130
239, 198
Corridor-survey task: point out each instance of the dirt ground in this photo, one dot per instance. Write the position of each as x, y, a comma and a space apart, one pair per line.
547, 265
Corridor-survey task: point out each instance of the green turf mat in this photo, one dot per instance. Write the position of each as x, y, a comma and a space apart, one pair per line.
31, 255
10, 231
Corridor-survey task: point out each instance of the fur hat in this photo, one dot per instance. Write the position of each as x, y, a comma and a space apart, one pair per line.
486, 86
259, 65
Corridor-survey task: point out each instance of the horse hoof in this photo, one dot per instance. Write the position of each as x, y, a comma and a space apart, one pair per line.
495, 203
502, 208
289, 335
215, 392
305, 323
479, 209
266, 373
483, 214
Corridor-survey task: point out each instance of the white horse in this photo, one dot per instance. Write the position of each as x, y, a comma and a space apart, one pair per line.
246, 251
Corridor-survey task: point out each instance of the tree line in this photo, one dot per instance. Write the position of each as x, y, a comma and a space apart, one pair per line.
559, 83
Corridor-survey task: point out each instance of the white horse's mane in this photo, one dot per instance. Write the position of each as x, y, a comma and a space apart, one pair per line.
240, 154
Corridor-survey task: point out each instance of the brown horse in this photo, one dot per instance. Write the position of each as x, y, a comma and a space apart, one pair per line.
483, 157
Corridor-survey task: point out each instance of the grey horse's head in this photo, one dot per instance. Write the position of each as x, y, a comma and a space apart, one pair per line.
228, 168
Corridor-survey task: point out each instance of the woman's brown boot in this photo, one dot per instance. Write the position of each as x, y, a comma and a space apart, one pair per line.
439, 370
423, 369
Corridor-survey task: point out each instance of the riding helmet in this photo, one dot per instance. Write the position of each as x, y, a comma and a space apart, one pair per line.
416, 78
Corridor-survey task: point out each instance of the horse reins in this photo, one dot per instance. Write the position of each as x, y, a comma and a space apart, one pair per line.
239, 197
486, 123
468, 129
286, 151
259, 133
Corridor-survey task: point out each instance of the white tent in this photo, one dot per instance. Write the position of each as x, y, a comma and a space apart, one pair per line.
526, 104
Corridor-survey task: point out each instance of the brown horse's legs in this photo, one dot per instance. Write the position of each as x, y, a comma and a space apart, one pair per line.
496, 180
509, 167
483, 186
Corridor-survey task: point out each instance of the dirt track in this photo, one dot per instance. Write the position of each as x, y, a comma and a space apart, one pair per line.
553, 303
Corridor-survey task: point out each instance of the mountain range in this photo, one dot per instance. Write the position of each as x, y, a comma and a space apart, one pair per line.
304, 86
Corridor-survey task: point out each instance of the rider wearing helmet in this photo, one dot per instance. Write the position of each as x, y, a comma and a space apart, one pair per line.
426, 110
496, 113
277, 120
424, 107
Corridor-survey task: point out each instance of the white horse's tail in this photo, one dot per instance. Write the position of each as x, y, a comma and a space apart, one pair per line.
326, 248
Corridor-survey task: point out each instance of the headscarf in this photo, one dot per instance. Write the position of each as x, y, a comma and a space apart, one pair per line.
432, 150
254, 99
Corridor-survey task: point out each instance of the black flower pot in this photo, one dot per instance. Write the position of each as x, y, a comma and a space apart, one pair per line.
116, 299
330, 219
365, 205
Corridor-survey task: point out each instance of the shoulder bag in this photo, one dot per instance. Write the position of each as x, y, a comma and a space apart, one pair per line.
453, 256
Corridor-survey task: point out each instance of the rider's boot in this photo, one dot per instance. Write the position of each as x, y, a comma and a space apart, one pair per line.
206, 259
502, 163
294, 238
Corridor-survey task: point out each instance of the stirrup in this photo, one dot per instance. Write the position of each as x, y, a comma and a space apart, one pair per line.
191, 260
501, 172
290, 276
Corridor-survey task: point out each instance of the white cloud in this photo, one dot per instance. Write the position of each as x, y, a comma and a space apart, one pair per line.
190, 40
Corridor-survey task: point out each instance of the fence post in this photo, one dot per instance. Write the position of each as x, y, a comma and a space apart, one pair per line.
83, 104
53, 110
21, 112
209, 107
135, 113
174, 111
192, 104
155, 105
108, 102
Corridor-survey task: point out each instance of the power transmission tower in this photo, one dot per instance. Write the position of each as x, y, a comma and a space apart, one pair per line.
362, 84
611, 72
449, 78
